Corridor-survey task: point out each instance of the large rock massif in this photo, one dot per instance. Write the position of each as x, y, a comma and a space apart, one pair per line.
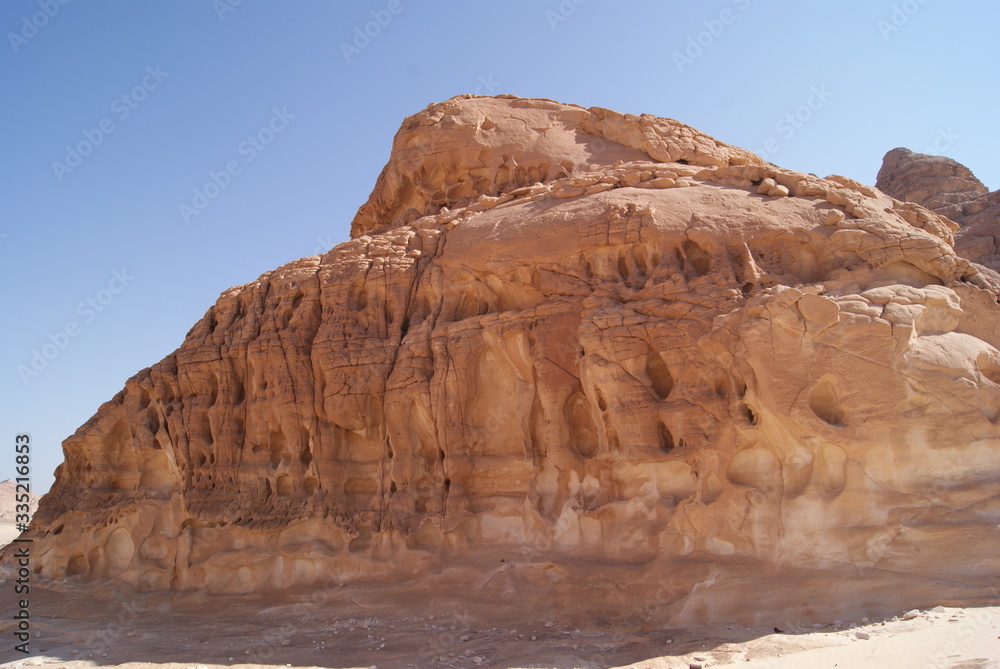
576, 358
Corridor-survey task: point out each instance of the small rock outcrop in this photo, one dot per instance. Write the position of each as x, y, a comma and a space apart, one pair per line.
949, 188
576, 359
9, 493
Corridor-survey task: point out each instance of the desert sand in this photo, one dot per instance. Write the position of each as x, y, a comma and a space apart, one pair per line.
72, 630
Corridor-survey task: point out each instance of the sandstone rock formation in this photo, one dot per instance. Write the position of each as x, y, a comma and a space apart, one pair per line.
949, 188
8, 501
646, 370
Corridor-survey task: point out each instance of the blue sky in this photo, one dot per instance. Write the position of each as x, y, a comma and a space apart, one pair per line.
115, 113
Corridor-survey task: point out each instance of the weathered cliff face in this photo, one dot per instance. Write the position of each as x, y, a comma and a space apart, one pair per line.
951, 189
630, 358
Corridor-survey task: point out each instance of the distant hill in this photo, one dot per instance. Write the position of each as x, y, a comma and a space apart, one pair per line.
8, 511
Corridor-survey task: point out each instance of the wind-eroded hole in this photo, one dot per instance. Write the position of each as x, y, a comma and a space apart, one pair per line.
666, 439
77, 565
825, 404
309, 484
602, 404
721, 385
659, 374
989, 367
581, 425
283, 485
623, 267
697, 257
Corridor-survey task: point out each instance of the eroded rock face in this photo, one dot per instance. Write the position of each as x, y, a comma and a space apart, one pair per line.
933, 181
949, 188
648, 369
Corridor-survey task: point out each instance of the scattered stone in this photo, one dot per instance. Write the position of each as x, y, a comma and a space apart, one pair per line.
861, 634
766, 185
911, 614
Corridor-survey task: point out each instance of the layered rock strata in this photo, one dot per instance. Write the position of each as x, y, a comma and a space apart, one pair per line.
612, 351
949, 188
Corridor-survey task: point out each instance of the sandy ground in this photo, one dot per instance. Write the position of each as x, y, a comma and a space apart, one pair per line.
364, 626
7, 532
71, 629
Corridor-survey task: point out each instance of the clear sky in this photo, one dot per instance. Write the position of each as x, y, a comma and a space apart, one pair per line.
115, 112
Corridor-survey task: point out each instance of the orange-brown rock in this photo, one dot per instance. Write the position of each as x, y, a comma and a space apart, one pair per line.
644, 368
951, 189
